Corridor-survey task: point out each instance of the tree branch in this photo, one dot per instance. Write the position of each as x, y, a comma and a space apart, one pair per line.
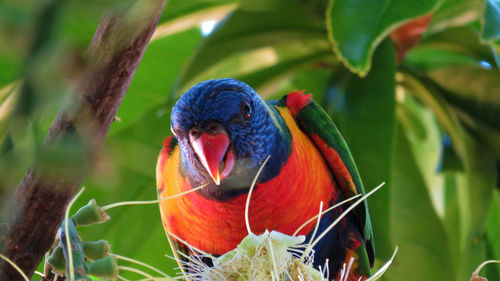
38, 205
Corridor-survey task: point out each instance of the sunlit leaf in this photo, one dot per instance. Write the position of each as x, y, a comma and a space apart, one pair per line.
270, 27
356, 48
426, 146
452, 13
192, 18
178, 8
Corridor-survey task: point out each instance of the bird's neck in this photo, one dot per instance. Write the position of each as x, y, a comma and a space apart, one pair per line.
280, 148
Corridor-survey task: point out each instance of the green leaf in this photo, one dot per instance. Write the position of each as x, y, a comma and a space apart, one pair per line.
483, 132
155, 75
473, 89
463, 68
464, 40
266, 68
424, 250
175, 9
191, 16
452, 13
426, 145
314, 80
355, 28
475, 184
265, 81
368, 116
429, 57
491, 18
493, 237
277, 25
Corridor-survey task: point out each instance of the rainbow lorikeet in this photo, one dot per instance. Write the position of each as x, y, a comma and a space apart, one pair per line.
223, 132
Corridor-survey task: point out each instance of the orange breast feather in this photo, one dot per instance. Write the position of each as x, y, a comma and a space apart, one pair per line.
283, 203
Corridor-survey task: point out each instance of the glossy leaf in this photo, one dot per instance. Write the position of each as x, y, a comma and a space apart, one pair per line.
356, 48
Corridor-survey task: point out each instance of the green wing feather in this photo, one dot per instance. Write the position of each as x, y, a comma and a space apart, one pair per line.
318, 125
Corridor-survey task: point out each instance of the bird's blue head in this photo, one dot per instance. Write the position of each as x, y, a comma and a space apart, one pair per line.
225, 132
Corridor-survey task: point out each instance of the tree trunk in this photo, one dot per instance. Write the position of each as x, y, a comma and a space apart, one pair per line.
38, 205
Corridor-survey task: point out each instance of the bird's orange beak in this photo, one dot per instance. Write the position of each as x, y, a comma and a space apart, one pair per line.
213, 152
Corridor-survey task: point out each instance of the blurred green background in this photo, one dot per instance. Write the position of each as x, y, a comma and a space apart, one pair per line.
427, 125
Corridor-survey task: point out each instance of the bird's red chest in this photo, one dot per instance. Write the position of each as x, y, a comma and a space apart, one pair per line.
284, 203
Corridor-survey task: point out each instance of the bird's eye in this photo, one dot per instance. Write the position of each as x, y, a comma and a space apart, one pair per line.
246, 111
194, 133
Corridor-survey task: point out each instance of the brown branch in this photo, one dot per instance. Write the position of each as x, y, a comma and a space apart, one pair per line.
39, 203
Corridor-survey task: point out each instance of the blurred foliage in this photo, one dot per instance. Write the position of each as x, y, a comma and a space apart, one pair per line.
428, 126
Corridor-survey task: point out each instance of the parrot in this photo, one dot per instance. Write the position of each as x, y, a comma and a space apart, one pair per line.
223, 132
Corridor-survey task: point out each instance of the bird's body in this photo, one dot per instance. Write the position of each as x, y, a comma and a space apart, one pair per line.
224, 132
